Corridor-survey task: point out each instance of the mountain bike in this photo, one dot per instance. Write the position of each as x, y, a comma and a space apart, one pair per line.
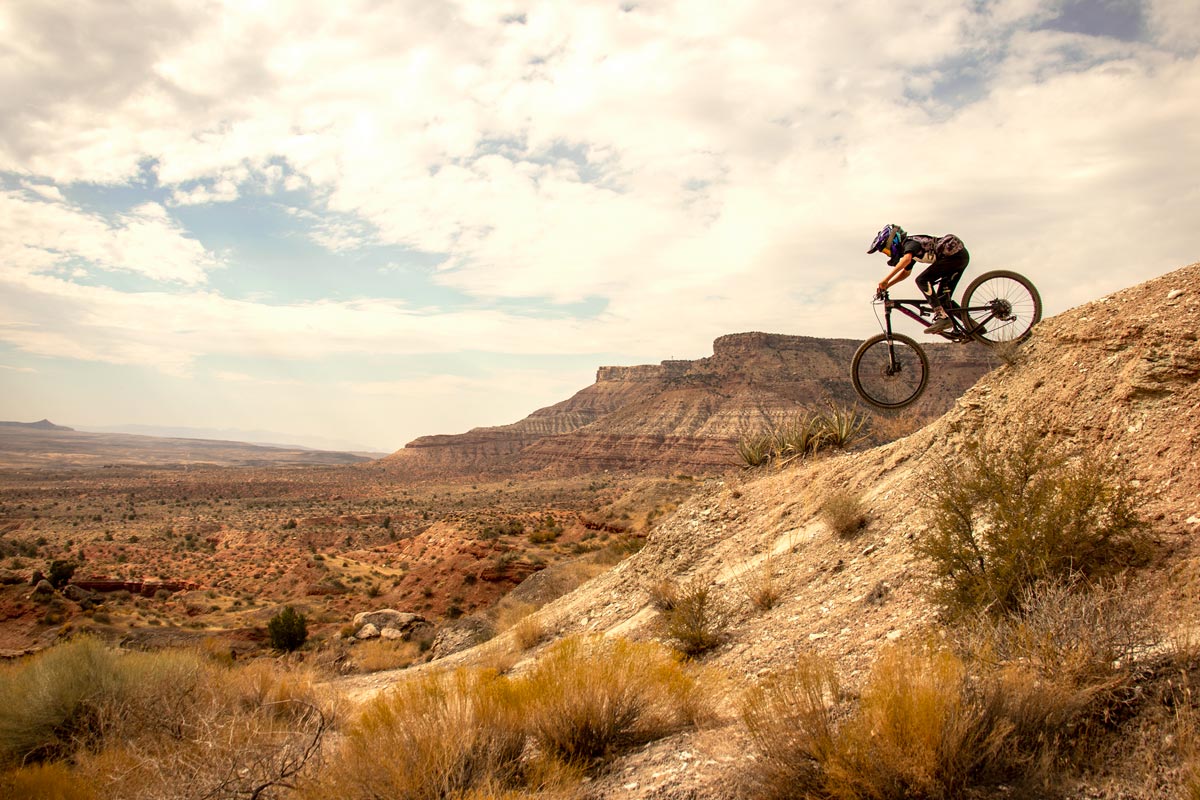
890, 370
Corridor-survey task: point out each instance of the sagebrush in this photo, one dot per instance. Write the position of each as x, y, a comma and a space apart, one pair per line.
1019, 511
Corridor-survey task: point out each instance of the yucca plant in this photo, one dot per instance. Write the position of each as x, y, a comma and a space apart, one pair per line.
799, 438
841, 426
755, 450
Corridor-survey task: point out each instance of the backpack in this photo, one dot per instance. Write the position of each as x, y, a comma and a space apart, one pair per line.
949, 245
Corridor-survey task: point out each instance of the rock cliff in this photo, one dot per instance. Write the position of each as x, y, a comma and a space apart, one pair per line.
686, 415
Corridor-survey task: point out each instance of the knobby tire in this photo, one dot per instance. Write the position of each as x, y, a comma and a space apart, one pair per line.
870, 367
1007, 287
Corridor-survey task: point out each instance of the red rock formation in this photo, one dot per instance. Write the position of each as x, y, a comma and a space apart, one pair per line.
679, 414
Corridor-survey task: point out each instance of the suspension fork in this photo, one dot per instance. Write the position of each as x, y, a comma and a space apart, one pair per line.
893, 367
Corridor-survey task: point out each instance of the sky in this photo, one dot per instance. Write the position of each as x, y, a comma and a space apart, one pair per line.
356, 223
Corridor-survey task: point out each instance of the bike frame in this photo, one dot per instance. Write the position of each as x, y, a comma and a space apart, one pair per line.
918, 309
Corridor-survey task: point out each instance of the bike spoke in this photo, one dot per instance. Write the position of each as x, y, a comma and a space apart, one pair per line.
887, 381
1006, 304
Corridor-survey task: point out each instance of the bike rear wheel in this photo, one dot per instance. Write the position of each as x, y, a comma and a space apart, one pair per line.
1003, 307
889, 374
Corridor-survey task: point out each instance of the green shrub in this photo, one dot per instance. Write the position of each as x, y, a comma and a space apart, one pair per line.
697, 617
1016, 513
288, 630
841, 426
755, 450
800, 437
58, 701
61, 572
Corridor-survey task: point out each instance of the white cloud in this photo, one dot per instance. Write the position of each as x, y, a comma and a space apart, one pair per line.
38, 235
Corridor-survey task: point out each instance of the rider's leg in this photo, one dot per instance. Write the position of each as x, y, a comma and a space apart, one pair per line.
952, 269
937, 283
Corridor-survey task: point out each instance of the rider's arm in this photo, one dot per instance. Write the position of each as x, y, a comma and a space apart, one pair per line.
901, 271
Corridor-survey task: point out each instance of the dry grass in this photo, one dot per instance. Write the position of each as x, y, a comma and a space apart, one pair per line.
1017, 701
763, 585
142, 725
520, 620
790, 719
376, 655
54, 781
844, 513
431, 737
917, 731
589, 697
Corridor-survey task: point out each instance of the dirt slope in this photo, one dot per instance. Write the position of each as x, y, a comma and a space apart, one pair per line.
1116, 377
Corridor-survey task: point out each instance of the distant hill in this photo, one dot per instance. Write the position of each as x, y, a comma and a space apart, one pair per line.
680, 414
45, 445
260, 437
40, 425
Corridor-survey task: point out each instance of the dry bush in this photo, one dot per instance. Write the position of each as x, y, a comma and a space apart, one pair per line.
790, 718
1067, 659
1186, 738
380, 654
697, 618
54, 781
918, 730
844, 513
589, 697
1018, 512
147, 725
761, 585
434, 736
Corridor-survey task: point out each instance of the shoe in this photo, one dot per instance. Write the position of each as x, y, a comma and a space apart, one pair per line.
939, 325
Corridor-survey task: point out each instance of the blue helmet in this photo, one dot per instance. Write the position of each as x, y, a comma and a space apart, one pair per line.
890, 237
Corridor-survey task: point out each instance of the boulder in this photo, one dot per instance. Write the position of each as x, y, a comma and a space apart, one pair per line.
385, 618
391, 633
461, 635
43, 587
367, 631
78, 594
9, 577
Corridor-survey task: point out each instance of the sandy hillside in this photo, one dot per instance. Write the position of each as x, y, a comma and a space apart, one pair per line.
1116, 378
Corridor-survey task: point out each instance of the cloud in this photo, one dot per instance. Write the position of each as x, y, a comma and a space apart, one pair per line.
39, 235
692, 168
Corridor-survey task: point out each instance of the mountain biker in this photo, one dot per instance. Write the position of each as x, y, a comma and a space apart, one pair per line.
946, 256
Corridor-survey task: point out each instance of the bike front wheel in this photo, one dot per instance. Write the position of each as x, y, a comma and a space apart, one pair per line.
889, 373
1003, 307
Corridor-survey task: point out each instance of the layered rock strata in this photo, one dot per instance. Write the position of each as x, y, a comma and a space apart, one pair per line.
680, 415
